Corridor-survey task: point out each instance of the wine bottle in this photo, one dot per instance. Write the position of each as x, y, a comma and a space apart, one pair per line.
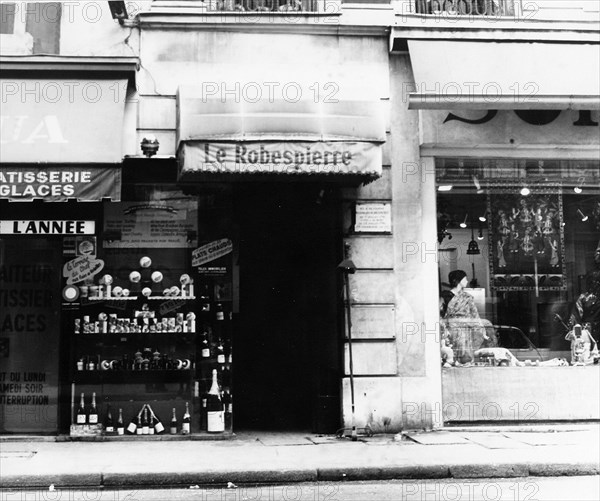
120, 425
228, 406
214, 407
225, 377
109, 426
139, 430
173, 426
219, 313
155, 423
220, 351
93, 414
132, 426
205, 345
186, 421
228, 351
81, 413
145, 422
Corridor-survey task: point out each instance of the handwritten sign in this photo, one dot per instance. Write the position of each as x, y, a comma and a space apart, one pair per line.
211, 251
373, 218
80, 268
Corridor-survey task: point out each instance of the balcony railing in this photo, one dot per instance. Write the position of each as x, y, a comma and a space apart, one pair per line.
262, 6
466, 7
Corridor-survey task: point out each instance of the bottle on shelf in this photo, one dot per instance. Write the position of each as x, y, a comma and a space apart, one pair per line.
224, 376
220, 352
228, 351
219, 312
132, 426
186, 421
146, 422
139, 430
120, 424
228, 407
109, 425
93, 414
204, 345
173, 425
81, 412
215, 419
155, 423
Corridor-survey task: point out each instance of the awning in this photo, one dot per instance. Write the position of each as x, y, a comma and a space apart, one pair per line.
202, 160
59, 183
68, 110
488, 75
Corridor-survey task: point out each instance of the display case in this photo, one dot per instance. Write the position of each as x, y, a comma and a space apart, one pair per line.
150, 349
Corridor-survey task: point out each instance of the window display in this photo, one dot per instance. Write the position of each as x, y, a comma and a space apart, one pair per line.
150, 329
525, 291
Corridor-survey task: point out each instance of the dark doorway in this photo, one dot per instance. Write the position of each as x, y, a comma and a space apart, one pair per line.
287, 360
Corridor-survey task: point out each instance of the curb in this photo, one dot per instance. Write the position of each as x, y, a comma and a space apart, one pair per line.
273, 476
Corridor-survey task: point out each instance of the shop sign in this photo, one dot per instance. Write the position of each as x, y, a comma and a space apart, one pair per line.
373, 218
169, 224
59, 184
211, 251
82, 267
58, 121
282, 158
52, 227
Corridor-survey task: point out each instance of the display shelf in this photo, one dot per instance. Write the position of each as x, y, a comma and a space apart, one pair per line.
112, 298
132, 377
134, 336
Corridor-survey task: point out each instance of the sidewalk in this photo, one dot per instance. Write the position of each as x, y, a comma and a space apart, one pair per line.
253, 457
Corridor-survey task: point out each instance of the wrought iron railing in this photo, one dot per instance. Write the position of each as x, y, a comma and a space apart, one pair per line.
466, 7
262, 6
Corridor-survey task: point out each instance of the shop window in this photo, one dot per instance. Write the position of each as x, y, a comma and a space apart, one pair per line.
519, 261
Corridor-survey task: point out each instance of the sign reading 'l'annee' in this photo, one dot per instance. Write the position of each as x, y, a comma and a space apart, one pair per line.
54, 227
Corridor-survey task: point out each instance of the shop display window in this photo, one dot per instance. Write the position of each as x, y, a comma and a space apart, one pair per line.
149, 310
519, 262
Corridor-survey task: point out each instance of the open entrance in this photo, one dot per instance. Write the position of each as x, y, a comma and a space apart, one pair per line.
286, 347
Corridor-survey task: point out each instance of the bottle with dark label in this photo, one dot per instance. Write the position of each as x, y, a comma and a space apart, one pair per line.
173, 426
93, 414
145, 421
225, 376
228, 406
81, 412
215, 419
186, 421
120, 424
109, 426
204, 345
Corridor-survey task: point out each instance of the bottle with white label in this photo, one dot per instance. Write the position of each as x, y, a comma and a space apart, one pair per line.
81, 412
155, 423
186, 421
173, 425
215, 415
109, 426
146, 422
204, 345
220, 351
93, 414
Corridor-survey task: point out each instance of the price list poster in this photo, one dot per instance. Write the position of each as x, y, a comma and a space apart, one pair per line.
29, 335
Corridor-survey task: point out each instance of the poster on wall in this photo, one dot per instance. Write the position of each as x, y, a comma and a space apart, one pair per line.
526, 239
160, 224
29, 335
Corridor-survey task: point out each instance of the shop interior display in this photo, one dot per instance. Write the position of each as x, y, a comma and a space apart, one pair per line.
537, 289
150, 357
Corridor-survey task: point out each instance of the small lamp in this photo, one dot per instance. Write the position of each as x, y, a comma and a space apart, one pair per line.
473, 248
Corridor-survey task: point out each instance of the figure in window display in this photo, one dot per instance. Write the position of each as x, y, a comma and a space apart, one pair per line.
501, 244
466, 330
586, 311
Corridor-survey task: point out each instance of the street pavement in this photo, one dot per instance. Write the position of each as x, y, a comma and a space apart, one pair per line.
269, 457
